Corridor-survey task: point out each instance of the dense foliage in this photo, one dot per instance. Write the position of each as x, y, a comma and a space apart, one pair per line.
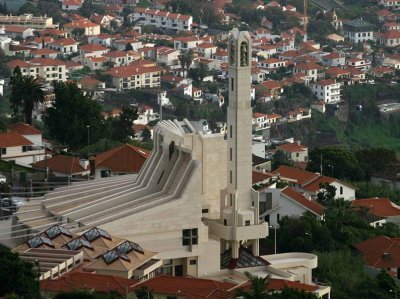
17, 277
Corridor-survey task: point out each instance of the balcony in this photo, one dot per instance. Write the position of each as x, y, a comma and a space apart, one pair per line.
238, 233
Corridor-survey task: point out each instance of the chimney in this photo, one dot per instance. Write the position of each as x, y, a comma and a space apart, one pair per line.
84, 163
92, 164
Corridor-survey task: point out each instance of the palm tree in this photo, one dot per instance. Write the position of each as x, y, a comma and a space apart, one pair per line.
259, 287
27, 92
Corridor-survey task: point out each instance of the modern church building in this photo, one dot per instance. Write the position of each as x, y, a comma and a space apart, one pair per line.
192, 201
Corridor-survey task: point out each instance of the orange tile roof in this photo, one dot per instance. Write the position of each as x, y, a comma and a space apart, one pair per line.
18, 29
23, 129
310, 205
187, 287
292, 147
381, 207
258, 176
314, 186
380, 252
92, 47
298, 175
125, 158
62, 164
76, 280
44, 51
82, 23
64, 42
9, 139
130, 70
17, 62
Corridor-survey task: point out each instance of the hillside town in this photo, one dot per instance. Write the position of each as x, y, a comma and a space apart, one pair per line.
200, 149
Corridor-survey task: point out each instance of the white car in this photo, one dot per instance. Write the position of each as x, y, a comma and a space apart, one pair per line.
3, 179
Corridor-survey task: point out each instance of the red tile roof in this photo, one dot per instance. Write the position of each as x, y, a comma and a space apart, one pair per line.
23, 129
62, 164
187, 287
380, 252
381, 207
292, 147
77, 280
298, 175
92, 48
258, 176
315, 185
10, 139
124, 159
310, 205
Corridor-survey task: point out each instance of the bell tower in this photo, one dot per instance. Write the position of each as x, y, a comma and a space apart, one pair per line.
239, 201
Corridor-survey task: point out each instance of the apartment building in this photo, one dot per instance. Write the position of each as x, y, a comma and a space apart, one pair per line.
311, 69
66, 46
390, 4
162, 19
27, 20
136, 76
327, 90
46, 68
120, 58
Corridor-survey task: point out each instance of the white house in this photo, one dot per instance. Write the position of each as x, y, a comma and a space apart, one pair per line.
66, 46
260, 121
207, 49
327, 90
103, 39
358, 31
294, 151
71, 5
309, 182
162, 19
287, 202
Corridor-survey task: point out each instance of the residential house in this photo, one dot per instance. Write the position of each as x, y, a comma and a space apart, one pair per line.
382, 71
92, 50
89, 27
162, 19
221, 55
64, 166
44, 53
358, 63
274, 88
333, 59
145, 115
184, 43
207, 50
92, 87
265, 51
18, 32
257, 75
392, 62
309, 182
358, 31
71, 5
121, 44
298, 114
273, 118
327, 90
311, 69
28, 132
103, 20
166, 55
381, 253
379, 207
19, 149
294, 152
272, 64
390, 38
120, 160
260, 121
120, 58
103, 39
389, 26
95, 63
276, 204
66, 46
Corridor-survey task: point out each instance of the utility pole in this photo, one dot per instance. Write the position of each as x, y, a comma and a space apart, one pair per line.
305, 8
320, 166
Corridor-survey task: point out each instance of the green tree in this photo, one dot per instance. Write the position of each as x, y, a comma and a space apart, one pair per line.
26, 93
198, 73
185, 60
71, 113
128, 47
121, 126
78, 33
144, 293
17, 276
327, 194
259, 287
146, 135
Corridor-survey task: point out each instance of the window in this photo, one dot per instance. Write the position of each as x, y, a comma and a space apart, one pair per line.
204, 211
297, 155
341, 190
278, 217
230, 176
232, 84
225, 222
24, 149
189, 237
230, 154
231, 199
247, 223
3, 151
230, 131
193, 262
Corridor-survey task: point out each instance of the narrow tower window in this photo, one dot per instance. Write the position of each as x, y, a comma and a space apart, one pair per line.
232, 84
230, 154
230, 176
230, 131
